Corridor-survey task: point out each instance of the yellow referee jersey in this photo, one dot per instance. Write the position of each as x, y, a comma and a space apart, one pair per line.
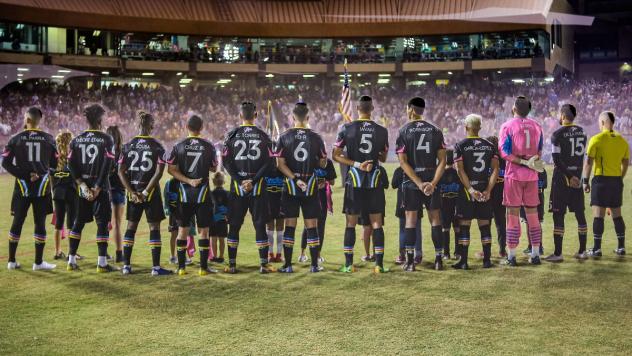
608, 149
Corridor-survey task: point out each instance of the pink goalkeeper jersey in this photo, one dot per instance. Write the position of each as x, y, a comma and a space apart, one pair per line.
520, 138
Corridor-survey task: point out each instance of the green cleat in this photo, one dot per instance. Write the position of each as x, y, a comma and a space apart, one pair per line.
347, 269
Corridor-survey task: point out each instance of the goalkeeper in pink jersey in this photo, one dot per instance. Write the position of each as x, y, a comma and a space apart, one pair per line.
520, 145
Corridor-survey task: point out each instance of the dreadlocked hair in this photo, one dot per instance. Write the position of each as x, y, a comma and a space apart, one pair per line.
63, 141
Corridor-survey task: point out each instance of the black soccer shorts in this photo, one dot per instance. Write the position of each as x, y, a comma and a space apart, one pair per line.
153, 210
202, 212
258, 206
274, 202
291, 205
359, 201
469, 209
562, 197
606, 192
414, 199
218, 229
98, 209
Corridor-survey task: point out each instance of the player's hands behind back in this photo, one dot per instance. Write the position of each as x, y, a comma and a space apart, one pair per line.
534, 163
366, 166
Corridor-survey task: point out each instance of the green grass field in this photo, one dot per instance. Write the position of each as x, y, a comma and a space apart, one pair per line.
563, 308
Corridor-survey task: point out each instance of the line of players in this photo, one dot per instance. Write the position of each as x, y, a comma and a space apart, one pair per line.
248, 156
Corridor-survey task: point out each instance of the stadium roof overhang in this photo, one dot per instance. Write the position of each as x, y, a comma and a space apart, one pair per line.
221, 18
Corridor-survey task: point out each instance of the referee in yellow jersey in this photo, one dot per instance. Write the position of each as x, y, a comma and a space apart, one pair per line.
609, 154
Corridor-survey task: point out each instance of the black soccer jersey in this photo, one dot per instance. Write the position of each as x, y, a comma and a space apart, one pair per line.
421, 141
326, 174
30, 151
302, 150
364, 140
450, 184
476, 154
91, 155
247, 155
569, 148
141, 157
194, 157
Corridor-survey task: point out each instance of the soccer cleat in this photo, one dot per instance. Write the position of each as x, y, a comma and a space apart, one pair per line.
438, 264
400, 260
126, 270
408, 267
206, 271
218, 260
188, 262
13, 265
554, 258
303, 259
181, 271
106, 269
619, 251
286, 269
72, 267
446, 255
315, 269
511, 262
581, 256
108, 257
417, 260
461, 265
159, 271
346, 269
526, 252
230, 269
479, 254
173, 260
502, 254
487, 264
44, 266
321, 259
59, 256
266, 269
456, 257
378, 269
594, 253
535, 260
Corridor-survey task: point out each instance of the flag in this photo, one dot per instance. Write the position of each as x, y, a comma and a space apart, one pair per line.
272, 126
345, 97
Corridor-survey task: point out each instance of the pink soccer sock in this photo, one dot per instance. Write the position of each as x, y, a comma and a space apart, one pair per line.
513, 231
535, 230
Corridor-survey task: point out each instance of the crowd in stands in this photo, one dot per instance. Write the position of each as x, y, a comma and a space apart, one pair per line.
446, 106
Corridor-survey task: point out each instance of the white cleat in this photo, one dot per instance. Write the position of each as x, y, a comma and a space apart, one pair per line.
581, 256
303, 259
13, 265
44, 266
554, 258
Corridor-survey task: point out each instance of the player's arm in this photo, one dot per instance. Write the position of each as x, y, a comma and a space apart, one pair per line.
492, 178
339, 156
441, 157
106, 168
153, 182
175, 172
268, 160
408, 169
624, 167
7, 163
588, 164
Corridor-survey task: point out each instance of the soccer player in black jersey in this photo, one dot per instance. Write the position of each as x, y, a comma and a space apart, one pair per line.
477, 164
569, 147
248, 156
496, 200
421, 153
141, 165
449, 186
29, 156
190, 162
300, 151
367, 145
90, 161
